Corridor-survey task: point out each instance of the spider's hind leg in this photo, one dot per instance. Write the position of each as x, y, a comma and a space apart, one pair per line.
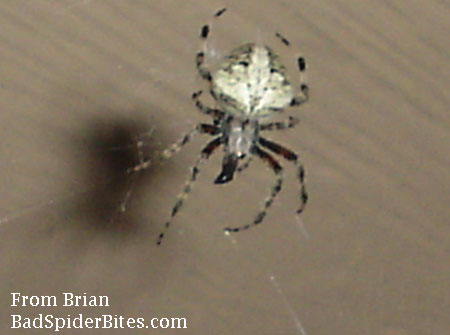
293, 157
275, 189
206, 152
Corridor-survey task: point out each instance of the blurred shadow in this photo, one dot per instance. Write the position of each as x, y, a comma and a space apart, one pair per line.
109, 148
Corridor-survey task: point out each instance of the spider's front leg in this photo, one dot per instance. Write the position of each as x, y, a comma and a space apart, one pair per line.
300, 99
201, 68
200, 57
302, 96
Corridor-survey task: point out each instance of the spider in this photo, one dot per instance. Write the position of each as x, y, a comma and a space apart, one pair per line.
248, 87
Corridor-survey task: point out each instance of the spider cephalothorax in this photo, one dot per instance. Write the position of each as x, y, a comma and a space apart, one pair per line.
249, 86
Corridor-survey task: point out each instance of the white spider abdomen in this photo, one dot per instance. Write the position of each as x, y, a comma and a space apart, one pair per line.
252, 83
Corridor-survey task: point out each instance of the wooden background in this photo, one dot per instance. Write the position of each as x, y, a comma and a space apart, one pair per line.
81, 80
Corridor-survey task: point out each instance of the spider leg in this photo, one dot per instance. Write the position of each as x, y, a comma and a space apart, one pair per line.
210, 129
202, 70
283, 39
244, 165
206, 152
217, 115
200, 57
291, 122
275, 189
202, 128
293, 157
303, 95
